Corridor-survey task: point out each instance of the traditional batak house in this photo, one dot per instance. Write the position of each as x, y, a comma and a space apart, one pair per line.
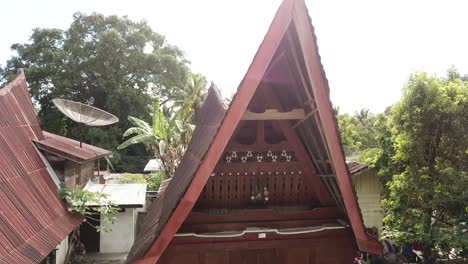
265, 179
34, 222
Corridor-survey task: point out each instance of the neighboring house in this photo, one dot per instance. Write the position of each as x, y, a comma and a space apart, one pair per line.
153, 165
265, 179
73, 165
130, 198
34, 222
368, 190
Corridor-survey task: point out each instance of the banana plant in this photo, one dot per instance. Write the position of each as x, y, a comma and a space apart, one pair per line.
162, 137
171, 130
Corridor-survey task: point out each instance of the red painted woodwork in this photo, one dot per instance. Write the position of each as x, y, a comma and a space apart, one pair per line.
264, 215
203, 222
232, 189
308, 49
224, 183
334, 247
246, 90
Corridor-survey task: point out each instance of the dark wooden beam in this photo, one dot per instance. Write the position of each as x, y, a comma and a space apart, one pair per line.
240, 226
310, 114
265, 215
338, 238
301, 154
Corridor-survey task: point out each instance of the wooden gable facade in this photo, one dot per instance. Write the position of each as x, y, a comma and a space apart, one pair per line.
265, 180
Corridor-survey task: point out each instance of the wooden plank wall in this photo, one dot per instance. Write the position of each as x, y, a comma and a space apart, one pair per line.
311, 251
368, 190
234, 190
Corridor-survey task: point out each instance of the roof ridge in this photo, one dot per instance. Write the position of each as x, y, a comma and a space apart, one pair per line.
9, 86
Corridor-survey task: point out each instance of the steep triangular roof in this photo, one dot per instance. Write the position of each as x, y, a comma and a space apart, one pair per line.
33, 219
292, 26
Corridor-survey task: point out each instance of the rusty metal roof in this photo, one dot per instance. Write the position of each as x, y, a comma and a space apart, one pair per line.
355, 167
69, 148
171, 191
33, 220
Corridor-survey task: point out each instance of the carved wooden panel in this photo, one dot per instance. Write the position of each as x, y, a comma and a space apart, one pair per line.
256, 186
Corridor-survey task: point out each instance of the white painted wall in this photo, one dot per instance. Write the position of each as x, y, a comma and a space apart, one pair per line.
61, 252
120, 239
368, 190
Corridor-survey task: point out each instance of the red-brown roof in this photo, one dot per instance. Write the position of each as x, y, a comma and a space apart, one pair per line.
355, 167
290, 45
33, 220
172, 191
69, 148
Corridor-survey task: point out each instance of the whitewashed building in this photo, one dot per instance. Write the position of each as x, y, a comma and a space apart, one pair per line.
130, 198
368, 190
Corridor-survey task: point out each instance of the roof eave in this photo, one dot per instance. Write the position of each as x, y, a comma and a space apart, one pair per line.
66, 155
319, 88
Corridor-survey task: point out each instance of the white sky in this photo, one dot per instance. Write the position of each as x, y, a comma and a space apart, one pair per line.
368, 48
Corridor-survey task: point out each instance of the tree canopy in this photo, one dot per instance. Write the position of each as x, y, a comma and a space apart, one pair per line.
422, 154
357, 132
121, 63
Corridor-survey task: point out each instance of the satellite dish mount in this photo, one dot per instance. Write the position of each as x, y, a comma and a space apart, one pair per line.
85, 114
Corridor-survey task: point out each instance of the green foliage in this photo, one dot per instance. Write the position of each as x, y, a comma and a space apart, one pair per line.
132, 178
152, 180
82, 203
169, 134
190, 97
357, 132
423, 153
121, 63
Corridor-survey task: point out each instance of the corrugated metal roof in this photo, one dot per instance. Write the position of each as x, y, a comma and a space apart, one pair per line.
355, 167
69, 148
161, 210
33, 220
130, 195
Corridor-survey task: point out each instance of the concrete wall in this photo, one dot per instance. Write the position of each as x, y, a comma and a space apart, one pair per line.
368, 190
121, 238
61, 252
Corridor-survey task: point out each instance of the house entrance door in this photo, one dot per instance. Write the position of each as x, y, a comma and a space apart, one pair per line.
89, 236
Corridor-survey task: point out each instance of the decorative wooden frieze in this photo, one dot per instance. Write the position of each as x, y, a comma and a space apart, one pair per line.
258, 156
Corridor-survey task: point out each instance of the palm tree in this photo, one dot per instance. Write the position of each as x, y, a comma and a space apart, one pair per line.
190, 97
162, 137
172, 127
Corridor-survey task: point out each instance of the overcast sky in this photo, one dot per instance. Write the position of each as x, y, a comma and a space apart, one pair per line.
368, 48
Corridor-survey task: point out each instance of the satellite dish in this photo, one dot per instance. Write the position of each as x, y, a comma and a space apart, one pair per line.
85, 114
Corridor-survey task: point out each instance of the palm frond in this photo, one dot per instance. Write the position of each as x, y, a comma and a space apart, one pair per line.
139, 123
134, 130
159, 121
147, 139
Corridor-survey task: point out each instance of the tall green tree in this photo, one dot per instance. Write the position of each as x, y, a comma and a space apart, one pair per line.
423, 153
357, 132
121, 63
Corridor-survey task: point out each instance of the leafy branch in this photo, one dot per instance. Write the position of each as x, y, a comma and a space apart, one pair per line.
86, 204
